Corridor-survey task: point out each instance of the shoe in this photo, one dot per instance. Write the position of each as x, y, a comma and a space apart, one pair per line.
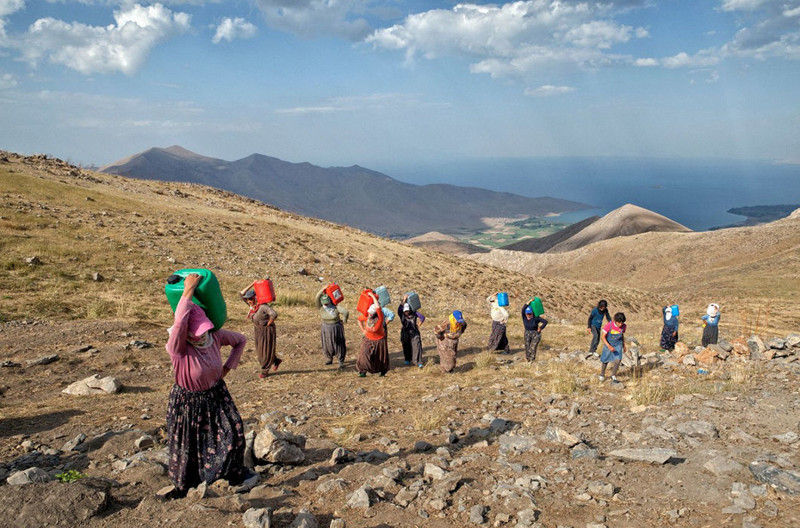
614, 380
601, 377
341, 364
329, 362
263, 375
421, 365
406, 363
362, 374
276, 364
382, 374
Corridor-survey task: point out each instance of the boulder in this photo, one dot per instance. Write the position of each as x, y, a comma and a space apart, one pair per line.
257, 518
560, 436
725, 345
706, 357
697, 429
28, 476
94, 385
793, 340
776, 343
55, 503
756, 347
652, 456
780, 479
304, 519
681, 349
279, 447
360, 499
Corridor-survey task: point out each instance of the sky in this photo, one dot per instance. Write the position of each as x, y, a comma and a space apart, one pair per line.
386, 82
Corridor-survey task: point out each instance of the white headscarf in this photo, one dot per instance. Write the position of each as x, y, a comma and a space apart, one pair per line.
668, 313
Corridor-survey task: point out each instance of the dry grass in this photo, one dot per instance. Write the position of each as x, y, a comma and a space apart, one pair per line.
649, 390
426, 420
485, 360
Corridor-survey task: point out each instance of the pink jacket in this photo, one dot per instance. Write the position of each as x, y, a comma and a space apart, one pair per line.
198, 369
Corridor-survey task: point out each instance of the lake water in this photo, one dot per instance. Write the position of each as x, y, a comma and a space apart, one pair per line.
695, 193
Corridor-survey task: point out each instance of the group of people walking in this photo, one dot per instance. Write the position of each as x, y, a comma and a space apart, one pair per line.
204, 428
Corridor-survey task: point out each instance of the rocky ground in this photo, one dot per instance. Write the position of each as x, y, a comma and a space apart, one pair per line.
498, 443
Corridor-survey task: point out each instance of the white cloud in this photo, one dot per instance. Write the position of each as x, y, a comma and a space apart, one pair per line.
233, 28
742, 5
514, 38
359, 103
773, 29
683, 60
314, 18
121, 47
548, 89
7, 81
8, 7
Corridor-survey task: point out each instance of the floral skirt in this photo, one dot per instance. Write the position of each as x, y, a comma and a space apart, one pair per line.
498, 339
206, 437
667, 339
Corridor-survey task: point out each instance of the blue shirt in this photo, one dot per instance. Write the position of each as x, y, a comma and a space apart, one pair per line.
596, 317
711, 321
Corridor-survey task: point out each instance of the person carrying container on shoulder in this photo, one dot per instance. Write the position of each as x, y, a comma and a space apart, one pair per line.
595, 323
205, 433
533, 331
498, 340
410, 338
613, 337
710, 325
263, 316
374, 354
669, 332
447, 336
334, 317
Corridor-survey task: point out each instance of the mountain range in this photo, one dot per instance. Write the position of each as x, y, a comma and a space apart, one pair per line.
353, 196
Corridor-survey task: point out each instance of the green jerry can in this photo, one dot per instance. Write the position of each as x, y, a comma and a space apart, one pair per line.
207, 295
537, 307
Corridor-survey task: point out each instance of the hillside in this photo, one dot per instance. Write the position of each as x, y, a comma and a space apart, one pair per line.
445, 244
544, 244
499, 442
352, 196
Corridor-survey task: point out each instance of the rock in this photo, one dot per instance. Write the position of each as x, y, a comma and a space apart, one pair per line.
653, 456
360, 499
527, 517
697, 429
32, 261
97, 277
44, 360
165, 492
584, 451
517, 443
433, 471
783, 480
144, 442
10, 364
257, 518
786, 438
560, 436
94, 385
793, 340
689, 360
340, 455
338, 523
499, 425
706, 357
28, 476
247, 485
304, 519
279, 447
681, 349
331, 485
776, 343
72, 444
56, 504
756, 347
476, 514
437, 504
720, 466
199, 492
420, 446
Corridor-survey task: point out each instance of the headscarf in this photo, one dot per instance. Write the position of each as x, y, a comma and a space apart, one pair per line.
324, 299
713, 310
456, 320
668, 313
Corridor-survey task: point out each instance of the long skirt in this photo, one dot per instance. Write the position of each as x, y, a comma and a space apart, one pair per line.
334, 345
498, 339
710, 335
373, 356
448, 351
206, 437
265, 346
412, 346
667, 339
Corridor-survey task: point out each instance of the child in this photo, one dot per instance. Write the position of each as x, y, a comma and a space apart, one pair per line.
613, 337
595, 323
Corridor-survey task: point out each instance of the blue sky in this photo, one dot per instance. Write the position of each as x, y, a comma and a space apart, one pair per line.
383, 82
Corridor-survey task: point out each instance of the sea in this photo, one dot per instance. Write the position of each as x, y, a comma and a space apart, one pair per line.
695, 193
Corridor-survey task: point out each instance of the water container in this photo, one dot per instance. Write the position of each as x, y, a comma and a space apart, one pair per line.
413, 301
675, 310
537, 307
333, 291
207, 295
364, 301
383, 295
265, 291
502, 299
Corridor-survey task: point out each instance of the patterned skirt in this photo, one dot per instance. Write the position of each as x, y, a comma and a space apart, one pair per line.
667, 339
498, 339
206, 437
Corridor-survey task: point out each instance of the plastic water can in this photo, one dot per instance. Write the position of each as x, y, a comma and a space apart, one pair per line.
265, 291
383, 295
413, 301
364, 301
675, 310
537, 307
502, 299
207, 295
334, 292
702, 371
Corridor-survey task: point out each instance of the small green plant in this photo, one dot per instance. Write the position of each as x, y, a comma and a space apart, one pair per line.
71, 475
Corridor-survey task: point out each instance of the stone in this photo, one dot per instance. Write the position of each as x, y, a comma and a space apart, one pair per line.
279, 447
560, 436
584, 451
32, 261
780, 479
476, 514
28, 476
304, 519
56, 504
499, 425
517, 443
793, 340
44, 360
257, 518
719, 466
697, 429
652, 456
340, 455
338, 523
199, 492
756, 347
10, 364
433, 471
247, 484
360, 499
706, 357
786, 438
94, 385
331, 485
72, 444
405, 496
527, 517
725, 345
689, 360
681, 349
165, 492
776, 343
420, 446
97, 277
144, 442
